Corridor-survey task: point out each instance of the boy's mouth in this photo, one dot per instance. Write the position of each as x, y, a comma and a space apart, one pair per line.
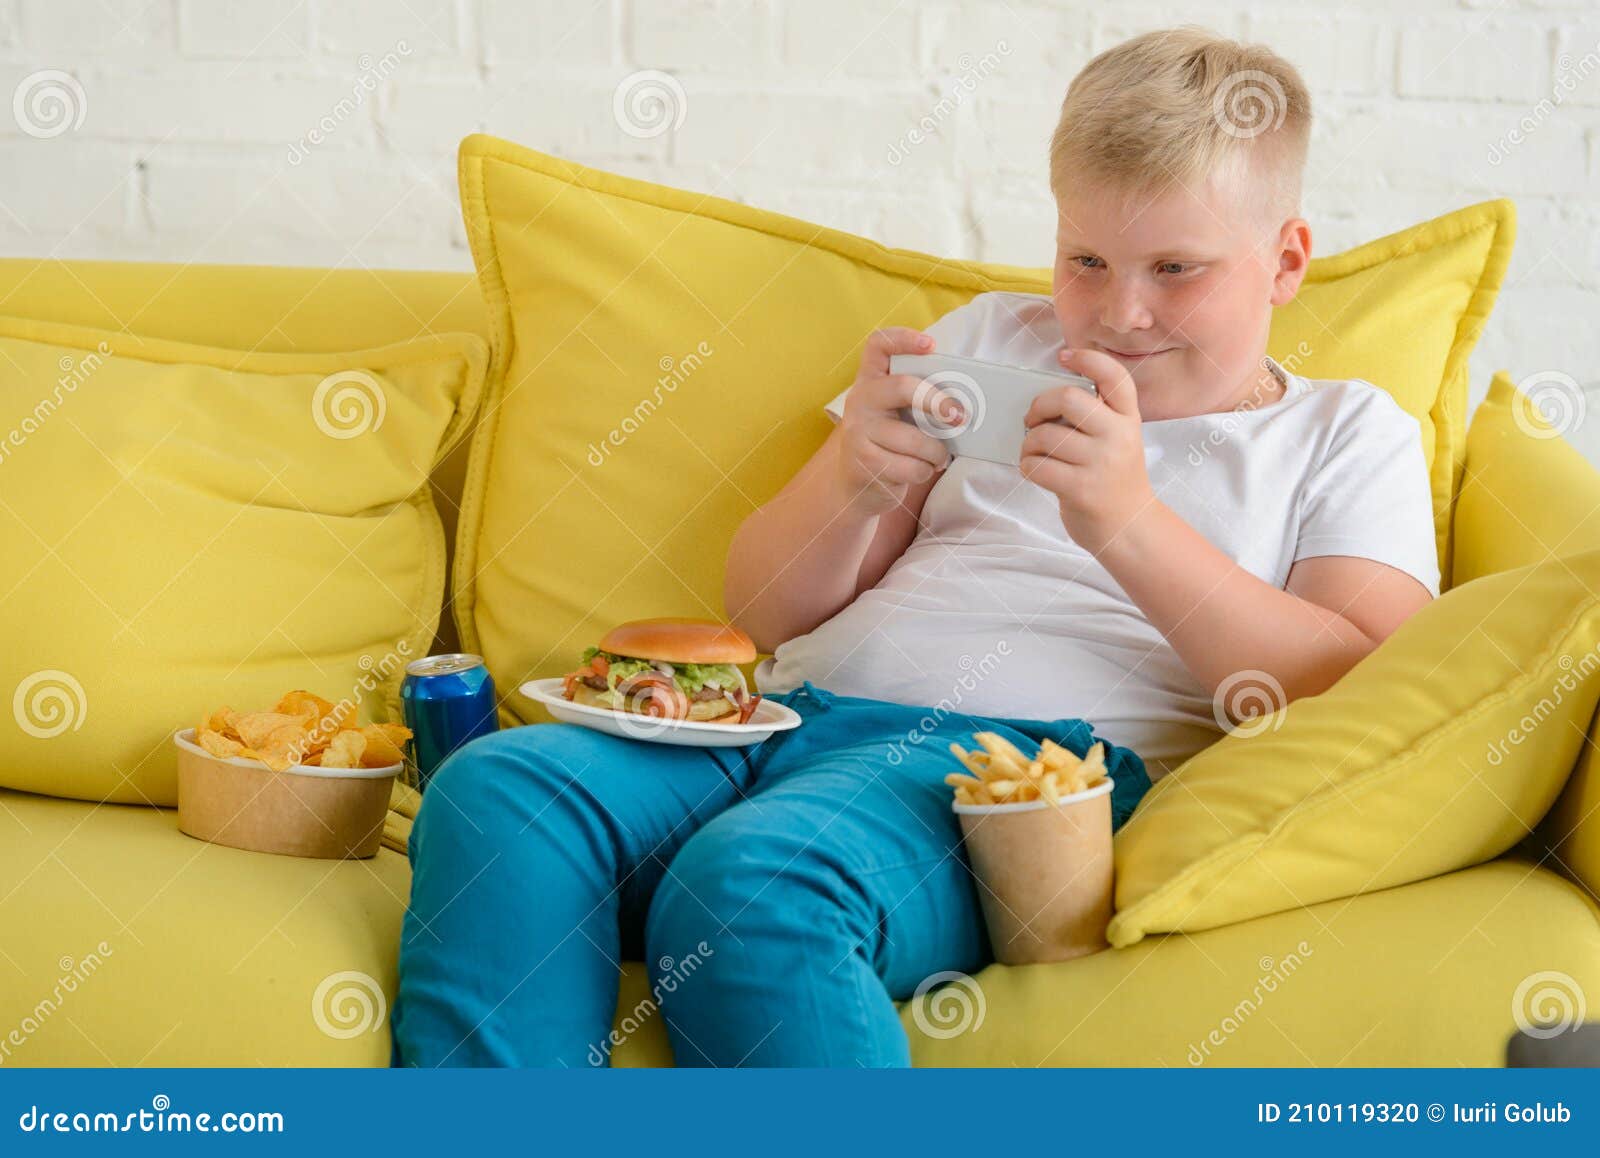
1136, 356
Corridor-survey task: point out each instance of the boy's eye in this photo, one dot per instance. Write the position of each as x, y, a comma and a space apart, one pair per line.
1172, 267
1085, 260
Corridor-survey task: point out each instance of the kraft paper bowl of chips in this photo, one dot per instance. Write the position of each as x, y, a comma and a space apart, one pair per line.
301, 780
1037, 832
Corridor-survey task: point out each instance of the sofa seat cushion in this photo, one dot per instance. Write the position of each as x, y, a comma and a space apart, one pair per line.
124, 942
1435, 973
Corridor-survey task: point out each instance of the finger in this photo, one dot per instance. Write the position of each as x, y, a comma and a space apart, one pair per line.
894, 391
896, 469
893, 340
899, 437
1052, 440
1052, 474
1076, 407
1111, 379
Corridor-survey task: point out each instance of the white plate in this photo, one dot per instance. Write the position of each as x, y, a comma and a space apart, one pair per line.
769, 717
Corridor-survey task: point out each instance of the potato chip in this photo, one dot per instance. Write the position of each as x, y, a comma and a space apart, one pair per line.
279, 761
303, 703
221, 721
220, 746
381, 750
345, 750
303, 728
255, 727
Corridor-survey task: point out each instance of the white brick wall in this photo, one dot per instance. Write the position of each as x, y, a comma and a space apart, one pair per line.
200, 134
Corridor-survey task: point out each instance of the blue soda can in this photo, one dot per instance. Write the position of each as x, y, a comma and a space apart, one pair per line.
448, 700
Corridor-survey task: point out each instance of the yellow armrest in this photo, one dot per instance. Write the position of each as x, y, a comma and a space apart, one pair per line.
1527, 495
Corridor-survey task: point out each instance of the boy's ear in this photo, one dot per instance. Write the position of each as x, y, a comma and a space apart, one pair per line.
1293, 257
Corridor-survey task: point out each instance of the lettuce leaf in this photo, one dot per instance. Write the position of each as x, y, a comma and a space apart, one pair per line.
690, 677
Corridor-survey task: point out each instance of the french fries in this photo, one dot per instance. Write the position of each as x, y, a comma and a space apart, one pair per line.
1001, 774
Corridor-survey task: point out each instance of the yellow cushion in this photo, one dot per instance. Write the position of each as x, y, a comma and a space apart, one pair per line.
274, 308
189, 526
269, 308
1440, 749
124, 942
1527, 495
1423, 975
660, 359
1404, 312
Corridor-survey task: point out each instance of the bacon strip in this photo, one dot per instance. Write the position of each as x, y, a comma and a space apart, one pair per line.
654, 694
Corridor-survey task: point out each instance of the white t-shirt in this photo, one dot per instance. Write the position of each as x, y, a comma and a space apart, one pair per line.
993, 610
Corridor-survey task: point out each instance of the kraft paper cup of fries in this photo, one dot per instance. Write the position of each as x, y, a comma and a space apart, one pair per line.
1042, 856
332, 813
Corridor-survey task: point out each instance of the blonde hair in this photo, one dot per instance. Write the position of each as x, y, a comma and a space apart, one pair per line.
1188, 106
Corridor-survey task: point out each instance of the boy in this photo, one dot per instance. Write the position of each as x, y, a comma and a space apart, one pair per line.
1208, 527
1208, 539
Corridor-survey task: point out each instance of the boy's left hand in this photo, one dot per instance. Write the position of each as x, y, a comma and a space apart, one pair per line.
1092, 460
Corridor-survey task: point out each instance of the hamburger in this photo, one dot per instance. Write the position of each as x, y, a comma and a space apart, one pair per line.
671, 668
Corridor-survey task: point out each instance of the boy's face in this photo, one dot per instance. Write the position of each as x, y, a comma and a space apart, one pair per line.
1179, 288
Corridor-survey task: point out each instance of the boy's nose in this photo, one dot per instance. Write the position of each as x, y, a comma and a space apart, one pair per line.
1122, 311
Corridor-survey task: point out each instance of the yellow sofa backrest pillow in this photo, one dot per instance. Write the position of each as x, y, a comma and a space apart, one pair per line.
660, 359
1527, 494
188, 527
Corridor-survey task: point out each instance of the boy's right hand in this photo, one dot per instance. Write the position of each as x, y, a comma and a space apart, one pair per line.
881, 456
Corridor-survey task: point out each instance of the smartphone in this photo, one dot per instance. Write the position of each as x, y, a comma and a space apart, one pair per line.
996, 397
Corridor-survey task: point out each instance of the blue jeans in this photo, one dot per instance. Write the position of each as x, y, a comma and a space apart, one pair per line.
784, 895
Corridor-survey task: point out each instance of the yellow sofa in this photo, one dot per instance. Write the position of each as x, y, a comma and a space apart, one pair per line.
124, 942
